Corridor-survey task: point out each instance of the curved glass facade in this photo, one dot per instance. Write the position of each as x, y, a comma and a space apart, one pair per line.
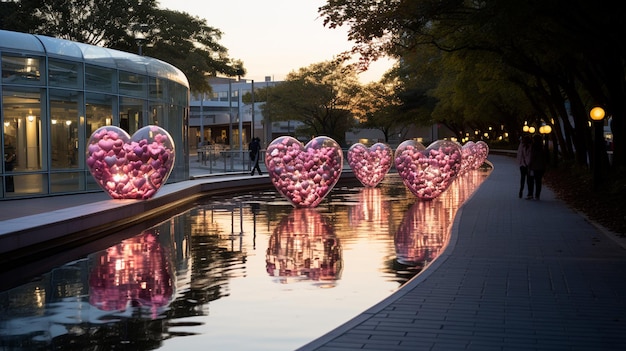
56, 92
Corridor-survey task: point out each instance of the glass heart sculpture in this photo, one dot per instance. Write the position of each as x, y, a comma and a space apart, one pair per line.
427, 172
304, 174
130, 168
370, 165
468, 150
482, 151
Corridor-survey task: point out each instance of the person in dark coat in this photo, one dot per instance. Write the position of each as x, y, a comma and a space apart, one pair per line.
537, 166
523, 160
255, 152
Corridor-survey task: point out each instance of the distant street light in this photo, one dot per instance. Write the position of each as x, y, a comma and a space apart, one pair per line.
597, 116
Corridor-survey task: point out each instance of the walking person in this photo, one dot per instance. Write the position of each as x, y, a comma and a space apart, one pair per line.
255, 148
537, 166
523, 159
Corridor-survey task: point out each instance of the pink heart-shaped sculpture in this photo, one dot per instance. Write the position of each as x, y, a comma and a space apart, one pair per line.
370, 165
482, 151
468, 151
130, 168
428, 172
304, 174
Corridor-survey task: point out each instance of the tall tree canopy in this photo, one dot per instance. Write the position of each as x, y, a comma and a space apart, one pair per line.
323, 96
178, 38
552, 59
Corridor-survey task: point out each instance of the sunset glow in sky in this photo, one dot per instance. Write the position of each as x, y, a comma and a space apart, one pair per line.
274, 37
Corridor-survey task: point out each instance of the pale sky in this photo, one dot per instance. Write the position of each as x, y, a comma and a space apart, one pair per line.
274, 37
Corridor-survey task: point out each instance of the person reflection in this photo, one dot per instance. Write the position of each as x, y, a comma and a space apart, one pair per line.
304, 247
132, 273
9, 165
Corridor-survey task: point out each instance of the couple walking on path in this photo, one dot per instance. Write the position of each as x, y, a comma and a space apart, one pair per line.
532, 161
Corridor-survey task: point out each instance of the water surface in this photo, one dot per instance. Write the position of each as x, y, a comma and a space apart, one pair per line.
244, 272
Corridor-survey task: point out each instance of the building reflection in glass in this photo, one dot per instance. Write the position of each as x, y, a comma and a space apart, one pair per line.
303, 246
132, 274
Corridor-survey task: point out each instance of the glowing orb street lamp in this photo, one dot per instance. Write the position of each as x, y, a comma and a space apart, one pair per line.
597, 116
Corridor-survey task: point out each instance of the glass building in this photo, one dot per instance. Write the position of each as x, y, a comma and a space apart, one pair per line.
56, 92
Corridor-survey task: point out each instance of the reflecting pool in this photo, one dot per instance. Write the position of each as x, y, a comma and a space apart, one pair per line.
244, 272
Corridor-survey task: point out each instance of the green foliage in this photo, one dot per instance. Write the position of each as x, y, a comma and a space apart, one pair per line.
501, 62
381, 108
323, 96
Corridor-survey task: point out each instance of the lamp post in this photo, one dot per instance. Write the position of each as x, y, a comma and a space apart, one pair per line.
140, 36
597, 116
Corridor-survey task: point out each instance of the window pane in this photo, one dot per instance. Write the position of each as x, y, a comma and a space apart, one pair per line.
98, 111
157, 87
67, 182
131, 114
29, 184
64, 73
22, 126
156, 115
64, 129
100, 79
133, 84
21, 70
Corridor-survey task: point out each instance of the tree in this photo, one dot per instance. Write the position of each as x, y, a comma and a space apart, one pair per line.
189, 44
323, 96
178, 38
571, 54
381, 108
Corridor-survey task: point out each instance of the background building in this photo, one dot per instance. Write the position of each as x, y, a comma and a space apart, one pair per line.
227, 123
56, 92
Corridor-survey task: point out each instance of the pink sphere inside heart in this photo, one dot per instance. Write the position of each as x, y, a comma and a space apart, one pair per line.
130, 168
370, 165
428, 172
304, 175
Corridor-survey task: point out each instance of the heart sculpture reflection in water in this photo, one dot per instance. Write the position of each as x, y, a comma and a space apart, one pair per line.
304, 247
130, 168
428, 172
423, 232
304, 175
370, 165
135, 272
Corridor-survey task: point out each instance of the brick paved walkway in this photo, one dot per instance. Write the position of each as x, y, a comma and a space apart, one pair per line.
517, 275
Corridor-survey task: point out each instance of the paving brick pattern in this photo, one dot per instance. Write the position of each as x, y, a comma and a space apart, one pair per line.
517, 275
